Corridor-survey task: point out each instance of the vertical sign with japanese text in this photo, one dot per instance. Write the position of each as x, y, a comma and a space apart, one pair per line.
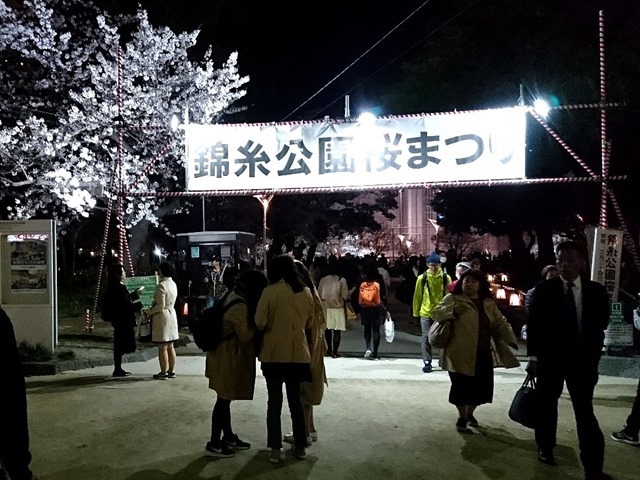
325, 155
619, 333
607, 256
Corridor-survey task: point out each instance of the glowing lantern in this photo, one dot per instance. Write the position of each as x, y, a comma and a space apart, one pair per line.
490, 278
514, 300
501, 294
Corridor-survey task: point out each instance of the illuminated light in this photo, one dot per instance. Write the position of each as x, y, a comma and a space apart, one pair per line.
501, 294
367, 142
504, 278
157, 252
185, 309
401, 237
541, 107
408, 242
367, 119
514, 300
490, 278
175, 123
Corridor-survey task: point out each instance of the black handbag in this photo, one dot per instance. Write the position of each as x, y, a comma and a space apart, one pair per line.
524, 407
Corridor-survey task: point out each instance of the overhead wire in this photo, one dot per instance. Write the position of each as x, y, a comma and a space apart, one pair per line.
404, 52
356, 60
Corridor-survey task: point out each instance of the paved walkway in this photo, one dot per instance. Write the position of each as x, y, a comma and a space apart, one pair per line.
379, 420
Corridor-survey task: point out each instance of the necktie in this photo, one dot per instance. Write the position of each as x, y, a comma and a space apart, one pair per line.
572, 313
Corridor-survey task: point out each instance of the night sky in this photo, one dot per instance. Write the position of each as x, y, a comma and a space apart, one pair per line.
291, 49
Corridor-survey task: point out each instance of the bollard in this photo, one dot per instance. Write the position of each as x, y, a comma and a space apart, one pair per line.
88, 321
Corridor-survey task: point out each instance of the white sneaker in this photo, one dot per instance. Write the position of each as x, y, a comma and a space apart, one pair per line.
288, 438
367, 354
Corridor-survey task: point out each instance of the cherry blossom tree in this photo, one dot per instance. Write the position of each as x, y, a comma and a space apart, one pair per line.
63, 123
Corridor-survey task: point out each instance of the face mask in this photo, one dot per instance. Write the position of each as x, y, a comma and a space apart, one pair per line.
443, 259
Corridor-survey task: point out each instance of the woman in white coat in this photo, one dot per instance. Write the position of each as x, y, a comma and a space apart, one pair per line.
164, 321
479, 341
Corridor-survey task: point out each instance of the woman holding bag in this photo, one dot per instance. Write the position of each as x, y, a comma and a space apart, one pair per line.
231, 367
479, 341
164, 321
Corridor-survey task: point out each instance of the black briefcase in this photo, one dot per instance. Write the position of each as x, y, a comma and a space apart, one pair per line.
524, 407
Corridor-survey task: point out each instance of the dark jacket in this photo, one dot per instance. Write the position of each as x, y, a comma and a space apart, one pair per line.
551, 340
14, 430
120, 308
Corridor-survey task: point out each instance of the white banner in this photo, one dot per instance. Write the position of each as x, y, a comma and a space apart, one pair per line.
481, 145
607, 256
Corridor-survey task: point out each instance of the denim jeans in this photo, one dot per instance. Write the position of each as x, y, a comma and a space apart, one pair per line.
425, 325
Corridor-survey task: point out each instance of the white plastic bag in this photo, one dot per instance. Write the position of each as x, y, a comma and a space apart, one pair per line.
389, 330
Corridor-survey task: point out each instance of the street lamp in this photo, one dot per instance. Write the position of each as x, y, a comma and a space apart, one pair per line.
401, 238
264, 200
541, 107
436, 226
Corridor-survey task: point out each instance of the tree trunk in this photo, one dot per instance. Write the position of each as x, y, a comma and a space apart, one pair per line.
138, 247
62, 259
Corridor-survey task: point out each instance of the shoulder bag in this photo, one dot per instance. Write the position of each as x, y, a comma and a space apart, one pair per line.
439, 334
144, 329
525, 404
350, 314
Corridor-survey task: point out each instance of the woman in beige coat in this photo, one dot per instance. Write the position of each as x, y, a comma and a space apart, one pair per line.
231, 367
313, 391
285, 313
164, 321
479, 340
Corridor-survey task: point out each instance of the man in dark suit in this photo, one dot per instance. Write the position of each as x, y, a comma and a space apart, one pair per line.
567, 320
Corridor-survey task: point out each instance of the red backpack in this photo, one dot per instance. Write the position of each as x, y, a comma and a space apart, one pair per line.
369, 294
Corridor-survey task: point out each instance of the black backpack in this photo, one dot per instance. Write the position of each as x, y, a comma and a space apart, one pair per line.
425, 284
207, 326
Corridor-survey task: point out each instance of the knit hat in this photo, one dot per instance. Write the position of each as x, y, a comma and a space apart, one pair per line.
433, 258
465, 265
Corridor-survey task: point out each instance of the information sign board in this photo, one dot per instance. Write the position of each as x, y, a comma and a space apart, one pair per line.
149, 283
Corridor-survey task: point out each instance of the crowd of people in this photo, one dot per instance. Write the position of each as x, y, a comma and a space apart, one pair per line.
293, 318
